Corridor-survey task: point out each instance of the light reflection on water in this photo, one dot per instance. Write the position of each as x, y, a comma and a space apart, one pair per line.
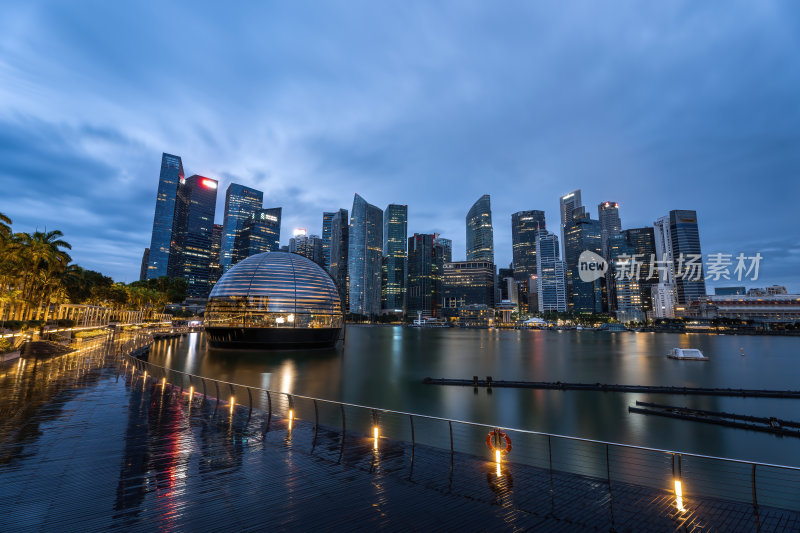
384, 367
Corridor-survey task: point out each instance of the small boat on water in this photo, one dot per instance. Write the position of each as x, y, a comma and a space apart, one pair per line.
687, 354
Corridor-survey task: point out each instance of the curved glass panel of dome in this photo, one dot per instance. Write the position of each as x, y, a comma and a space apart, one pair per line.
273, 290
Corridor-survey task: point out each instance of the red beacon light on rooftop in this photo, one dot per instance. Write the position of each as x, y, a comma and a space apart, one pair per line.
211, 184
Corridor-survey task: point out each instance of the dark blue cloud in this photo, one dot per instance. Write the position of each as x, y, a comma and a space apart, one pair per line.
667, 105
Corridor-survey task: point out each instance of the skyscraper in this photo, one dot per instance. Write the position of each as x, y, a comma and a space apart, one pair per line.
309, 246
663, 294
340, 242
216, 242
685, 236
260, 232
644, 247
524, 226
169, 179
143, 268
447, 248
201, 195
365, 253
610, 224
567, 204
583, 234
424, 275
395, 240
240, 203
552, 294
468, 283
627, 294
327, 220
480, 235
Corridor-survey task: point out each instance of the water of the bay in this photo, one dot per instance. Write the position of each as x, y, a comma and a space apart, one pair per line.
383, 366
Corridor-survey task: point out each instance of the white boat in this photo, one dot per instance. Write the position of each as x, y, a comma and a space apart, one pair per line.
687, 354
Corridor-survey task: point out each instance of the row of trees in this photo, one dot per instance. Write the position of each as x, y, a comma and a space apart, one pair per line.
37, 274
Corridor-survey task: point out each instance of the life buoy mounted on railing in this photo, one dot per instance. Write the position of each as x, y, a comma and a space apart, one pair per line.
494, 440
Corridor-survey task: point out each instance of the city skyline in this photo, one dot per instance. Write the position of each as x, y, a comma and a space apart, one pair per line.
309, 126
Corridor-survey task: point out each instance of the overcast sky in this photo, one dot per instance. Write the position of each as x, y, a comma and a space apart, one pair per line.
657, 105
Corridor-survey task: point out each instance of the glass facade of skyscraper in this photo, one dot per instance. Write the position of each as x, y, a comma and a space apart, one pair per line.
567, 204
447, 248
327, 220
365, 254
583, 234
425, 259
468, 283
340, 241
524, 226
196, 253
260, 232
240, 203
161, 240
480, 235
216, 240
642, 240
395, 237
552, 293
685, 237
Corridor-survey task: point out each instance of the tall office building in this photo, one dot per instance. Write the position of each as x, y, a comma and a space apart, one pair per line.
240, 203
425, 259
216, 243
552, 292
143, 268
201, 198
524, 226
663, 293
309, 246
567, 204
610, 224
583, 234
467, 283
447, 248
642, 240
340, 242
260, 232
365, 253
685, 237
627, 292
170, 178
327, 220
480, 235
395, 240
506, 289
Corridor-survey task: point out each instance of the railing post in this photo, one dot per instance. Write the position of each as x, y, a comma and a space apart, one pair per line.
204, 389
316, 426
249, 403
216, 386
610, 494
344, 430
413, 445
452, 450
755, 496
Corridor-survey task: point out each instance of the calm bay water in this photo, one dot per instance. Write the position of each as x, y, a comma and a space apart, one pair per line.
383, 366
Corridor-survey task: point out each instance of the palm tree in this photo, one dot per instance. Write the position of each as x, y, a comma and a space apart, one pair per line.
5, 227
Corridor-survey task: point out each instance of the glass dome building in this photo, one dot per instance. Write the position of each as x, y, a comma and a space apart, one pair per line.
274, 300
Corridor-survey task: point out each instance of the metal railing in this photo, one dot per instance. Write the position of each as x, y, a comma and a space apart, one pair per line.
683, 477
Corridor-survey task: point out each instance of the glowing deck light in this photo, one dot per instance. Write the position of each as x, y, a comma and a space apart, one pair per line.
497, 457
291, 417
232, 404
679, 495
163, 384
191, 393
145, 375
375, 434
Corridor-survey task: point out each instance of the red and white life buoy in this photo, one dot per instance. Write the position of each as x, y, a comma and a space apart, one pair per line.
494, 441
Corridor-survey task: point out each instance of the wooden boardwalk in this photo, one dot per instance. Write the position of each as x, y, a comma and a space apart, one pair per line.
83, 448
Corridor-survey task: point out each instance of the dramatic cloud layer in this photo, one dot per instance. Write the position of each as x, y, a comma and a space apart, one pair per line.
656, 105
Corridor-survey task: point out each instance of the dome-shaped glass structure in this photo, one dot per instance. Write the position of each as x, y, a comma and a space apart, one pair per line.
274, 300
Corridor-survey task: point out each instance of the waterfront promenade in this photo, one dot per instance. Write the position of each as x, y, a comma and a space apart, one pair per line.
86, 444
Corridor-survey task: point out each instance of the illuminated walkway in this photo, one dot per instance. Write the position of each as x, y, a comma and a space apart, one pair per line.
83, 448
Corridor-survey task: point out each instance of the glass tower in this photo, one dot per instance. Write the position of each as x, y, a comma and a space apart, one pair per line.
567, 204
425, 260
524, 226
240, 203
583, 234
395, 238
327, 220
480, 236
216, 240
260, 232
552, 292
685, 237
365, 254
340, 241
447, 248
161, 241
196, 249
